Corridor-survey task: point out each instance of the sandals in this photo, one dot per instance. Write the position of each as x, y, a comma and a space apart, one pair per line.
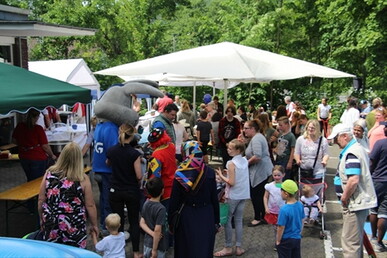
260, 222
223, 253
239, 251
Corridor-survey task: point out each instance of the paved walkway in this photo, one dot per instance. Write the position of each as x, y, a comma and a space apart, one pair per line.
257, 241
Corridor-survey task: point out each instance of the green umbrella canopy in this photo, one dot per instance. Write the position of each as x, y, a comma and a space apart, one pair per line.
21, 89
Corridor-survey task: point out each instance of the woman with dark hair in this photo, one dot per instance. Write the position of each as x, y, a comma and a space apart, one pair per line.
281, 111
260, 168
124, 183
33, 146
351, 114
194, 193
242, 113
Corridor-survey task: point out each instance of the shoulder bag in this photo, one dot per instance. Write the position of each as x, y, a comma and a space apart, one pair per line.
308, 173
175, 219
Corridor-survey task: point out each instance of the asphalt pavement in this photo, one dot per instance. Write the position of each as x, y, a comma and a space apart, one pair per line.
257, 241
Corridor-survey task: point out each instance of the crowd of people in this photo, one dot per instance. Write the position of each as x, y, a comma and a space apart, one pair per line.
175, 200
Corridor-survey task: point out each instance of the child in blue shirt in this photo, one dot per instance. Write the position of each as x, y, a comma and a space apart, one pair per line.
290, 222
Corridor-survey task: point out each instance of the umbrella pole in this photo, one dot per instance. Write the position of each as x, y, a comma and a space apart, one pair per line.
226, 82
251, 84
194, 97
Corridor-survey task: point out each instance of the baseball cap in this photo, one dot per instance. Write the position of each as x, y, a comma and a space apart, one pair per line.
289, 186
339, 129
363, 101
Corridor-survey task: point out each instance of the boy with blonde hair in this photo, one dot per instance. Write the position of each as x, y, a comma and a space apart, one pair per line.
114, 244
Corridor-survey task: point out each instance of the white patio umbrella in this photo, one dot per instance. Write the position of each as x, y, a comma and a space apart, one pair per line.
227, 61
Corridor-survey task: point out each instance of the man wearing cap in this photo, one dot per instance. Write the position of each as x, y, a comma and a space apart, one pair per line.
378, 217
364, 108
358, 193
165, 120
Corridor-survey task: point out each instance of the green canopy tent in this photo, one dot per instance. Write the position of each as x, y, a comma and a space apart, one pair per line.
21, 90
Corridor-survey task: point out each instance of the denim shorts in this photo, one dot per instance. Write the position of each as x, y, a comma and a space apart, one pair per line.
148, 252
381, 193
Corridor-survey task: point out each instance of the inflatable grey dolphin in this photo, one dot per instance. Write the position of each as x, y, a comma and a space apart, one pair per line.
116, 104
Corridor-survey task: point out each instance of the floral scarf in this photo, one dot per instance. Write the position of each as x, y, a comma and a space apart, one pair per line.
190, 173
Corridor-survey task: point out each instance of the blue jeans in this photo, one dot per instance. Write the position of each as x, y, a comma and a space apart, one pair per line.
236, 208
103, 180
33, 168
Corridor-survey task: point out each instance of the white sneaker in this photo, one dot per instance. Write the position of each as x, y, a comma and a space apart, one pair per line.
127, 235
379, 247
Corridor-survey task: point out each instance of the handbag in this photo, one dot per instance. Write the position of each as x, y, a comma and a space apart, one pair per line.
175, 219
308, 173
223, 211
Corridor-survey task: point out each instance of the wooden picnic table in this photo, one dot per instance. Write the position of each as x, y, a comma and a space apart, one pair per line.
21, 194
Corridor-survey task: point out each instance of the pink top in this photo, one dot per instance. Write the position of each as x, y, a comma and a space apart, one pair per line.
375, 133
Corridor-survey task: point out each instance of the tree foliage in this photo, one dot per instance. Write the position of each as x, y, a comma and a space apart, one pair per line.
341, 34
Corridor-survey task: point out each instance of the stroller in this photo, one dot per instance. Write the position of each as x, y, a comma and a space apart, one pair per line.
319, 186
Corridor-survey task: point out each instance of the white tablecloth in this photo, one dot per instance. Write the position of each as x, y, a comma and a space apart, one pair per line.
67, 133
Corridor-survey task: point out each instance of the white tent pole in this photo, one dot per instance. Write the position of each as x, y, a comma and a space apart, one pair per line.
194, 97
226, 82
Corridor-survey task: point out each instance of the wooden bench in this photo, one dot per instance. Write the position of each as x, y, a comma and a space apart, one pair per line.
8, 146
21, 194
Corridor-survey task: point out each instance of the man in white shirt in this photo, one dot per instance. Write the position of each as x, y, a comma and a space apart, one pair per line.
324, 114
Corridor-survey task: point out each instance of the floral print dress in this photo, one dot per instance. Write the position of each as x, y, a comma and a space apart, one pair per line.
64, 212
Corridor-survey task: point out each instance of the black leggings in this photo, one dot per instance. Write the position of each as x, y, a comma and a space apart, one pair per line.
119, 199
256, 194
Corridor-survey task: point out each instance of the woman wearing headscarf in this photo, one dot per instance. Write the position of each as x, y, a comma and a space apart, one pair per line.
194, 192
360, 133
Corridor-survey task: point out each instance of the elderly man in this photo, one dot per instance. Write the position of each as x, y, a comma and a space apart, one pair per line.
290, 106
165, 120
358, 193
378, 217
